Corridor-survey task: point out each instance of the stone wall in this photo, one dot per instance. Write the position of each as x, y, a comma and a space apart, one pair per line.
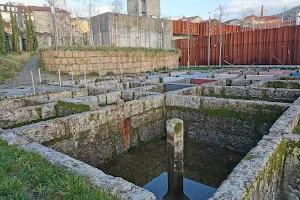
271, 169
112, 61
236, 124
98, 135
247, 93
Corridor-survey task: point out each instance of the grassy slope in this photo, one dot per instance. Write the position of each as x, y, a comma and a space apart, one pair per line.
11, 65
26, 175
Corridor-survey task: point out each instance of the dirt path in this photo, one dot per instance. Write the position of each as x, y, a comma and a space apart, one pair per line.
24, 77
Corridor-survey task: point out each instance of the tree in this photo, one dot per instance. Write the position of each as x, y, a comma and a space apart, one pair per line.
33, 39
220, 16
15, 32
2, 37
116, 7
27, 33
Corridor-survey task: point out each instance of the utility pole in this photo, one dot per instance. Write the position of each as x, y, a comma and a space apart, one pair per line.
162, 36
208, 45
54, 25
188, 44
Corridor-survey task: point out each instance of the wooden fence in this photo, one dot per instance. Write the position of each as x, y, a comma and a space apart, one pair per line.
278, 46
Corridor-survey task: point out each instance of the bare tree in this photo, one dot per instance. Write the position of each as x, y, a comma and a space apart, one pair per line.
90, 7
220, 15
79, 33
247, 12
117, 7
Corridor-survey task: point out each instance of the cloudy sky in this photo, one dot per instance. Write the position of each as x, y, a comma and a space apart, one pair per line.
195, 7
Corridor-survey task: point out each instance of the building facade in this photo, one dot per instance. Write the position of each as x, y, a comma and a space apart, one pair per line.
131, 31
41, 17
149, 8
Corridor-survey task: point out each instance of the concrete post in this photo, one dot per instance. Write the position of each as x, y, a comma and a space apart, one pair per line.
40, 77
175, 160
59, 78
33, 88
162, 36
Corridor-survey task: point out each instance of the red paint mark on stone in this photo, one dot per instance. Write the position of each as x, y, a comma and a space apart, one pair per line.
126, 127
200, 81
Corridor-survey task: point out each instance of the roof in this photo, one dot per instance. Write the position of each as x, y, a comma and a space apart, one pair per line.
40, 8
189, 19
232, 20
264, 18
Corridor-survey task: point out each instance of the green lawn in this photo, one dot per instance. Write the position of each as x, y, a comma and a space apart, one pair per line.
26, 175
11, 64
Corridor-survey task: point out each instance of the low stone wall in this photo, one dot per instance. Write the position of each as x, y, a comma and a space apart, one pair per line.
271, 169
108, 132
107, 61
249, 93
19, 102
236, 124
26, 115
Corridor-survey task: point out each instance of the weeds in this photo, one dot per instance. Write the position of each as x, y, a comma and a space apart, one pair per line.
27, 175
153, 51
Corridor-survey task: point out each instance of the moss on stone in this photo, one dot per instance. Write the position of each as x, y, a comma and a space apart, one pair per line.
265, 97
249, 157
228, 82
178, 127
28, 123
56, 140
70, 108
282, 84
273, 168
112, 136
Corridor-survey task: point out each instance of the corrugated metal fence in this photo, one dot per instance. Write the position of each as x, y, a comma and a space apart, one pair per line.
278, 46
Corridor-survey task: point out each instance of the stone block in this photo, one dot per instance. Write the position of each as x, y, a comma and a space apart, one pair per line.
102, 99
64, 61
71, 61
60, 95
183, 101
113, 97
127, 95
81, 54
67, 107
48, 111
68, 54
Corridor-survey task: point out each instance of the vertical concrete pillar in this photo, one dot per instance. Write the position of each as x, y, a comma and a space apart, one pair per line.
175, 160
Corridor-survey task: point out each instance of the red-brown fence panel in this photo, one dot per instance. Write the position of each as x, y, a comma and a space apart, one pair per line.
257, 47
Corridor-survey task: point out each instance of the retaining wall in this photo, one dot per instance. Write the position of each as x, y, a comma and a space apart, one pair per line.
112, 61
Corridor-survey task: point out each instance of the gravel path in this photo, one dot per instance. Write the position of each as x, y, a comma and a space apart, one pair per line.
24, 77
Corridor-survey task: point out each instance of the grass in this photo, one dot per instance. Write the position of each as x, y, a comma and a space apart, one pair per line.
112, 48
11, 64
27, 175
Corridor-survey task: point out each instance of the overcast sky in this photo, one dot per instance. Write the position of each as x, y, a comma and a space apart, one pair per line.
195, 7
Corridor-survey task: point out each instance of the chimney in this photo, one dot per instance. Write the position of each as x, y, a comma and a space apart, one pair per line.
298, 19
262, 11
